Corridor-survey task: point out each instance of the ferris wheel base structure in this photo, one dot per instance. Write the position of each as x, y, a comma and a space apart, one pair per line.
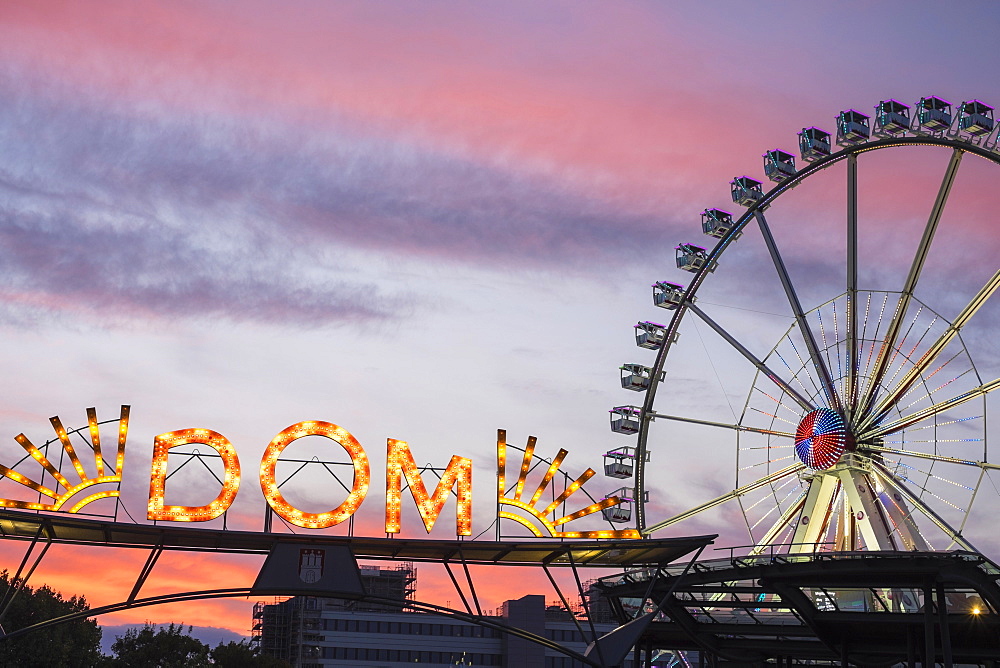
872, 608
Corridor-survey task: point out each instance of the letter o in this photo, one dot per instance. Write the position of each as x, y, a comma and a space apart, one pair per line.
268, 484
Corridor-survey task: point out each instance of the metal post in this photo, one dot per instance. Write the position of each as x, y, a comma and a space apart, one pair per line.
17, 584
562, 598
147, 568
942, 604
586, 607
928, 626
461, 594
472, 587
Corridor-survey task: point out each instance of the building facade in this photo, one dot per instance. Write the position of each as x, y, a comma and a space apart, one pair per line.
313, 632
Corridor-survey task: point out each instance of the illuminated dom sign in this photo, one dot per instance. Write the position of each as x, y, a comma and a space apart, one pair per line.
400, 467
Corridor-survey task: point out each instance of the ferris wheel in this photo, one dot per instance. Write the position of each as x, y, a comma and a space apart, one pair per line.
863, 424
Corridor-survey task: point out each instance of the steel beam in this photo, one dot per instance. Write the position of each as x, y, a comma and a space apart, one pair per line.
934, 458
763, 368
917, 370
930, 411
915, 501
852, 286
709, 423
461, 594
916, 268
777, 475
147, 568
826, 381
17, 584
562, 597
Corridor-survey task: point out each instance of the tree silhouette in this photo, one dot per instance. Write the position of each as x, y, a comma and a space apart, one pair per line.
164, 647
69, 645
243, 655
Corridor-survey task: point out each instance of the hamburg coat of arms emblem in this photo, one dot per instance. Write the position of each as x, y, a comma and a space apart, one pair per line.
311, 565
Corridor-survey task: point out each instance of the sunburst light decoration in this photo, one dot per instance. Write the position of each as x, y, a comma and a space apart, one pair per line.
104, 471
544, 515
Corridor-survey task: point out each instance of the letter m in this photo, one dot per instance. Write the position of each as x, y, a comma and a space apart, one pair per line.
400, 464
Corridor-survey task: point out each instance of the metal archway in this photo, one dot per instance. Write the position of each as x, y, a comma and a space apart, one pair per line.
45, 530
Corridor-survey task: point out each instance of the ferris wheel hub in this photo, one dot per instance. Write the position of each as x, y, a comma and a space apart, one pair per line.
822, 438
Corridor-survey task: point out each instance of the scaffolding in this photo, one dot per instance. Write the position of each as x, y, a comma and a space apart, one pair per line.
398, 582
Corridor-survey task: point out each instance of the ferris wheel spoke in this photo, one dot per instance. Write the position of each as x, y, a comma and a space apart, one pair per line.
927, 476
929, 393
932, 353
768, 463
708, 423
772, 415
869, 342
898, 354
930, 411
783, 522
763, 368
829, 390
826, 347
916, 268
801, 371
836, 348
894, 482
901, 517
932, 457
852, 284
908, 356
777, 504
729, 496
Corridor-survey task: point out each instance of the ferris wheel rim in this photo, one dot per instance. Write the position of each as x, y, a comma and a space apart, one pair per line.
958, 144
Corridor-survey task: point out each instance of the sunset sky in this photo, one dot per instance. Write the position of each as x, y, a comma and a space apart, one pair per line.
427, 221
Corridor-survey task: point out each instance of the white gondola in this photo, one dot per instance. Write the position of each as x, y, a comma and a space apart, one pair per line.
852, 128
623, 511
620, 462
625, 419
975, 118
637, 377
892, 118
779, 166
745, 190
668, 295
692, 258
716, 222
814, 144
620, 513
650, 335
933, 115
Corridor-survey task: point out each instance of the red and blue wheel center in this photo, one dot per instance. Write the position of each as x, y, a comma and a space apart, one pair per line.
821, 439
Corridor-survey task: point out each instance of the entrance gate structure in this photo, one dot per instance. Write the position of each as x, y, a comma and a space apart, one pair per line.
280, 574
